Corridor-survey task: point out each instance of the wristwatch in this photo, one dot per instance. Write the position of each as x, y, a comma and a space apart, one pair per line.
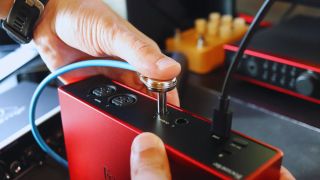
22, 19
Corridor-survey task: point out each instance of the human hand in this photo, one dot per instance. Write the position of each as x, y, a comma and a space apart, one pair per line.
285, 174
74, 30
149, 160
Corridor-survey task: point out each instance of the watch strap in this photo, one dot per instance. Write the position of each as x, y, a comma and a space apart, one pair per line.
22, 19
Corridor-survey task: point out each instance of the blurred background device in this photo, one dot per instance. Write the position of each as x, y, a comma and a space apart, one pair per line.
19, 153
285, 58
203, 44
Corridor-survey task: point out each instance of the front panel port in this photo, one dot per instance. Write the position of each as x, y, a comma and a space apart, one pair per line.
103, 91
123, 100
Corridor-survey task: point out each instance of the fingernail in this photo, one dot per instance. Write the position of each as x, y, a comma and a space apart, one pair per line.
165, 63
146, 141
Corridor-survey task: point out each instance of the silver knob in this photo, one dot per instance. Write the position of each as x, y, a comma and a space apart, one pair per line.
161, 87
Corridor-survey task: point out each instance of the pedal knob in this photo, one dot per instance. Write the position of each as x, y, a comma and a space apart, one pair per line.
213, 29
214, 17
225, 32
201, 26
239, 25
226, 20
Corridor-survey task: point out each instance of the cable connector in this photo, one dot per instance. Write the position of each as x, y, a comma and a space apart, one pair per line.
222, 120
222, 117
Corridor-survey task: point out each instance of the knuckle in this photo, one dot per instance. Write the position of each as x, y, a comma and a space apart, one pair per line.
140, 45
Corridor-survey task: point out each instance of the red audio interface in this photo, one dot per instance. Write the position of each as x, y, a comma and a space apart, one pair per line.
284, 58
101, 118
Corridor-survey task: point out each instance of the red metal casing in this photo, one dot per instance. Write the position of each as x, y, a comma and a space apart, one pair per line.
98, 146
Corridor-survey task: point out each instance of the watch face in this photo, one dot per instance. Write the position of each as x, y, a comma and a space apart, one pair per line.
14, 35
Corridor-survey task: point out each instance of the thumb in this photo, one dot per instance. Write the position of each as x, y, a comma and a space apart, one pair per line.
98, 31
142, 52
148, 158
285, 174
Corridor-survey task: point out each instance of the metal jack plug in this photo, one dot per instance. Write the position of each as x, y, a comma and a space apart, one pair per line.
161, 87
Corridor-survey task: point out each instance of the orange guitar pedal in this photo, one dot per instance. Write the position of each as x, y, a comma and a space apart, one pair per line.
203, 45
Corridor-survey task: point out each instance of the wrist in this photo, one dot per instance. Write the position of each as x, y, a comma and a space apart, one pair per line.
22, 18
5, 6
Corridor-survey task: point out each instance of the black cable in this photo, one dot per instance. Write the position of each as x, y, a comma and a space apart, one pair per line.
243, 45
222, 117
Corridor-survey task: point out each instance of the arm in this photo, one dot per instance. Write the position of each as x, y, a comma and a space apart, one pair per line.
5, 6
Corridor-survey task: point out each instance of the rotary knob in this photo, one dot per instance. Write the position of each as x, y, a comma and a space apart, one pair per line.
307, 83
